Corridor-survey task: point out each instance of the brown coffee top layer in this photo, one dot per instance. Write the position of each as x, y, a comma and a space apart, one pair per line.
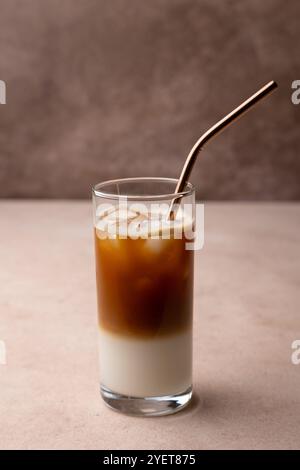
145, 287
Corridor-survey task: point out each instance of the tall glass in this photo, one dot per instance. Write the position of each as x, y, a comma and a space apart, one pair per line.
144, 271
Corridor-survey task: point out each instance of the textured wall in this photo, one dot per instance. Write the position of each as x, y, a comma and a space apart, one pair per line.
100, 89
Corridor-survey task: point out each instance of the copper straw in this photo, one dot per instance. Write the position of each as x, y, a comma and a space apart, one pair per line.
212, 132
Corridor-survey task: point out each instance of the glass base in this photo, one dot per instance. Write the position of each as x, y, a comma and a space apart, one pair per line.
148, 406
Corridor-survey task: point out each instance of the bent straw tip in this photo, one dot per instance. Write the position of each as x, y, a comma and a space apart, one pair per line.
272, 84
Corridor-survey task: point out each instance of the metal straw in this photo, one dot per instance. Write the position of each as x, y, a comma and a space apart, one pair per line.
212, 132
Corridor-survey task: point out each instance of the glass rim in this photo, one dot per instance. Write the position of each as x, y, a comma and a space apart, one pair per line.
144, 197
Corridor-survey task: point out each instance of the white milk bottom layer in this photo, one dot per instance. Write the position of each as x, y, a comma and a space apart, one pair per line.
146, 367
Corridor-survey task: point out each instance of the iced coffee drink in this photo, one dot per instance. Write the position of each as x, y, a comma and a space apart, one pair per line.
145, 301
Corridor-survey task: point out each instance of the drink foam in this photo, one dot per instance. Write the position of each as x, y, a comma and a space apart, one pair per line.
140, 221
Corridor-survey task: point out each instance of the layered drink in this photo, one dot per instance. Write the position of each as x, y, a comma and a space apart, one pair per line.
145, 301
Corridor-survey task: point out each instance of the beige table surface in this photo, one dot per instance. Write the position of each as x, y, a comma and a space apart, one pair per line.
247, 313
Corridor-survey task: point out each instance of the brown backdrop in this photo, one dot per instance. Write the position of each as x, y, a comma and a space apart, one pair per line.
100, 89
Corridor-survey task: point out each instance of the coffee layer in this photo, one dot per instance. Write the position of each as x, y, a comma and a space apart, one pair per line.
145, 286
